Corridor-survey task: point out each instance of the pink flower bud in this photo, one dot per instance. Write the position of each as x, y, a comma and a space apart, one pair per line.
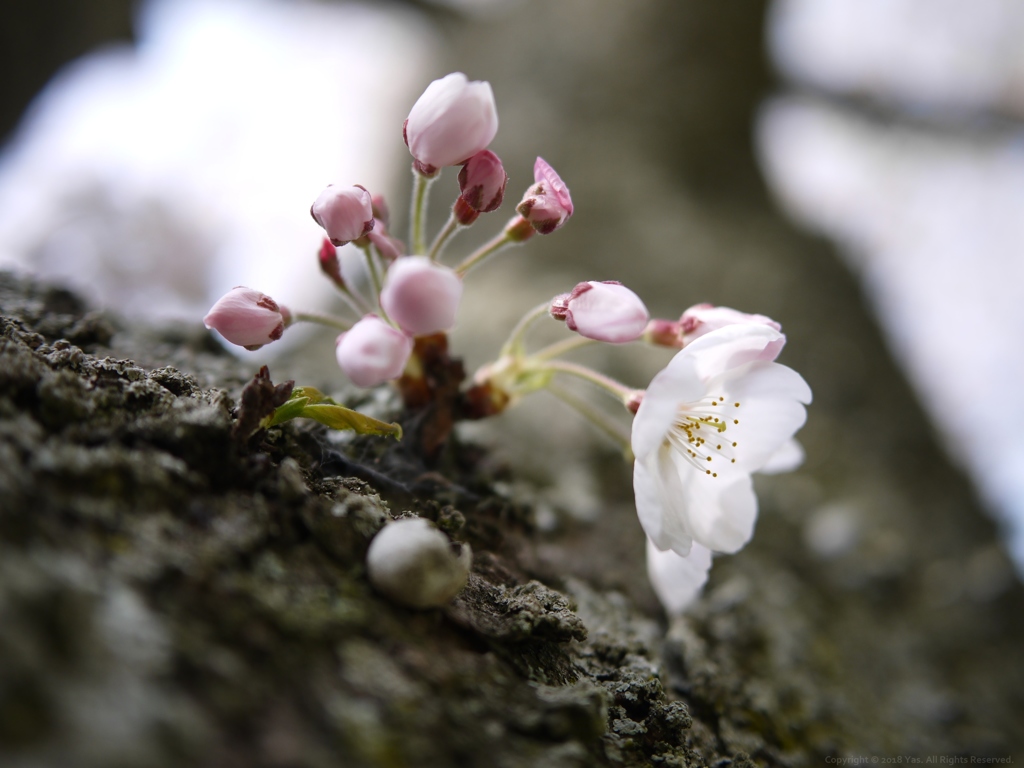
704, 318
421, 296
388, 247
606, 311
247, 318
664, 333
346, 213
380, 209
547, 204
329, 263
452, 121
482, 182
372, 352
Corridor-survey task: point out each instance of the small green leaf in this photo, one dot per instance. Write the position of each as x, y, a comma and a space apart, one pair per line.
311, 403
340, 417
292, 408
315, 395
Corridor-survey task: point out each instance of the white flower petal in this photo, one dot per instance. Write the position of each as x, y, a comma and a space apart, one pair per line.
769, 414
731, 347
789, 456
772, 380
719, 411
722, 515
676, 383
705, 318
677, 580
659, 500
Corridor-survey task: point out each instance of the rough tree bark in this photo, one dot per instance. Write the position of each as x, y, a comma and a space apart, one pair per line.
170, 595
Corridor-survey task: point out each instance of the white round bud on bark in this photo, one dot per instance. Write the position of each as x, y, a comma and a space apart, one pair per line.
413, 563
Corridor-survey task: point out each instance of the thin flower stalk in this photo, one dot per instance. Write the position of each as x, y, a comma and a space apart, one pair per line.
616, 389
601, 420
371, 268
354, 300
560, 347
437, 247
320, 318
491, 247
514, 346
420, 191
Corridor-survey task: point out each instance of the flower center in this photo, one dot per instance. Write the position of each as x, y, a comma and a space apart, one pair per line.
699, 433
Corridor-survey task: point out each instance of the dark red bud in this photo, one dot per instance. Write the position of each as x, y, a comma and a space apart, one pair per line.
464, 213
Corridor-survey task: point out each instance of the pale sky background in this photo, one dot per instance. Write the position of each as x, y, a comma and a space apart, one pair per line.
927, 206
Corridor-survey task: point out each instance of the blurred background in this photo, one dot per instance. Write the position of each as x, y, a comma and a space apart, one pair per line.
853, 168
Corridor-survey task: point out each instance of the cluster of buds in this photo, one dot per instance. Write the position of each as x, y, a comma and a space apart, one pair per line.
414, 294
721, 409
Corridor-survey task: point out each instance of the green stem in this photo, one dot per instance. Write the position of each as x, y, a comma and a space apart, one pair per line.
320, 319
596, 417
354, 301
514, 346
616, 389
489, 248
443, 237
371, 266
560, 347
420, 186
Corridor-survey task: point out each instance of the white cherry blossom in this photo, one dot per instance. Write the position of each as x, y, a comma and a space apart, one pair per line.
677, 580
721, 410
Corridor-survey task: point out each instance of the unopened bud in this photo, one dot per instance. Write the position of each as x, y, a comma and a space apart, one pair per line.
603, 311
372, 352
388, 247
345, 213
452, 121
421, 295
329, 263
482, 182
664, 333
547, 204
381, 213
247, 318
704, 318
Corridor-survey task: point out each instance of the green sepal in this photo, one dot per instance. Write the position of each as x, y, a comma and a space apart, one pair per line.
532, 380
